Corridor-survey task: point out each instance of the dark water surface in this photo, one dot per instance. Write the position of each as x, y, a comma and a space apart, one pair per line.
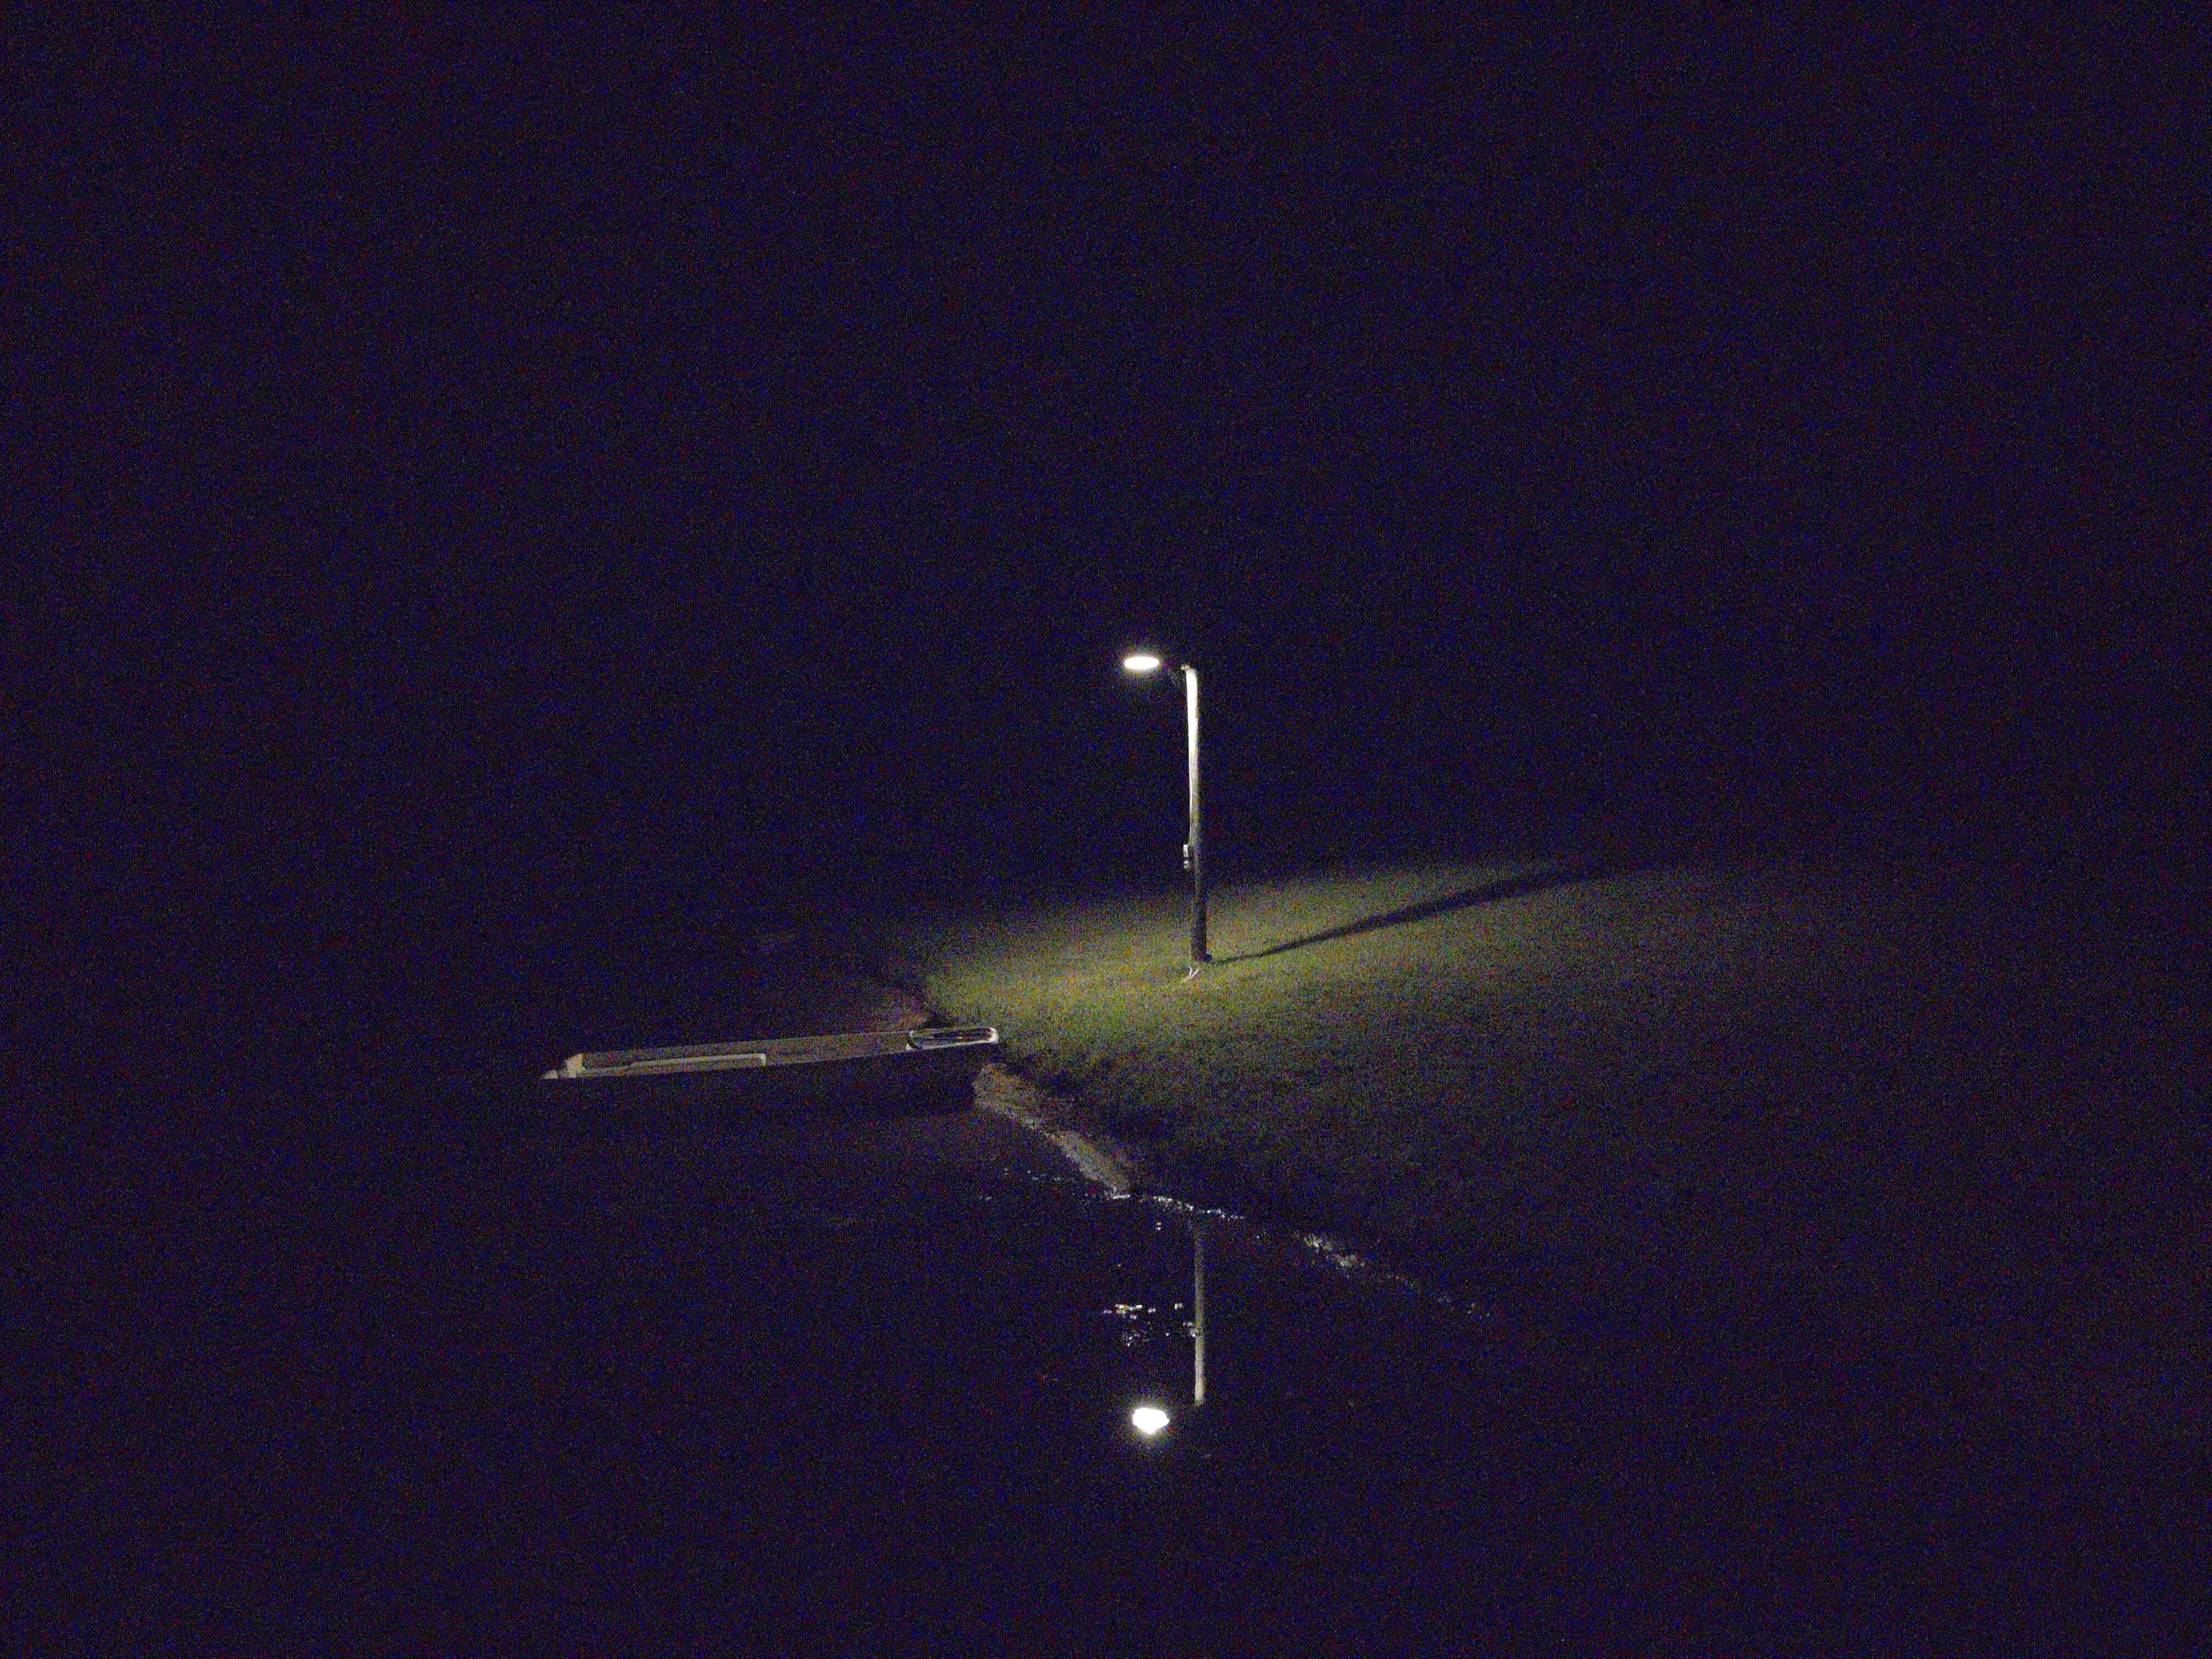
830, 1387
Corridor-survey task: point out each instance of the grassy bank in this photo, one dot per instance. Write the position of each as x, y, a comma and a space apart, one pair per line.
1925, 1093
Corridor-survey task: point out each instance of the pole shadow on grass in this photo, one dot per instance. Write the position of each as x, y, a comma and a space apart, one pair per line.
1518, 886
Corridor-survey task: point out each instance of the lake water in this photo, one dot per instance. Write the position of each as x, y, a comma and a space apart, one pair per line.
832, 1388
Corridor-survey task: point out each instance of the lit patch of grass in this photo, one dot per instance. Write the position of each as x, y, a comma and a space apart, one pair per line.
1726, 1079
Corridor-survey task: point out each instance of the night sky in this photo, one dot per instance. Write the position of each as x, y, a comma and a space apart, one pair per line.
629, 472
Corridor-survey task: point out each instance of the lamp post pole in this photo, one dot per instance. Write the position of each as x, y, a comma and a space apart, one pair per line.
1194, 849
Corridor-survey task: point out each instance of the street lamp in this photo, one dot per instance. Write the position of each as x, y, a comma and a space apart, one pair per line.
1194, 850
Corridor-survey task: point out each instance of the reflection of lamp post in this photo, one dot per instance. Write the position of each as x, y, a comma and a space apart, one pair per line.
1149, 1417
1194, 850
1198, 1312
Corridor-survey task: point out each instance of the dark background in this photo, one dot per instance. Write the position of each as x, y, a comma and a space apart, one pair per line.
507, 508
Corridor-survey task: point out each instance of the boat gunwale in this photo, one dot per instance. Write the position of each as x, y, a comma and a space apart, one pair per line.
744, 1058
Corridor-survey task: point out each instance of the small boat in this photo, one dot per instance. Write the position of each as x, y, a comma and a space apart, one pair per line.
857, 1072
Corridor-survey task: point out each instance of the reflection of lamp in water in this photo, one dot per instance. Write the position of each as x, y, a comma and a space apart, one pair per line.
1198, 1312
1149, 1419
